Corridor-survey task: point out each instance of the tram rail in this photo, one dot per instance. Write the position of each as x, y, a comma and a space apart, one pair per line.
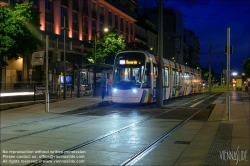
144, 150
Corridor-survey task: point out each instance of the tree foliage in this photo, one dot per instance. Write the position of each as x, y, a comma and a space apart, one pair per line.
246, 67
18, 31
106, 48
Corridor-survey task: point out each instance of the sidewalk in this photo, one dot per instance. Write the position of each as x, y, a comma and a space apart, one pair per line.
55, 104
221, 141
37, 111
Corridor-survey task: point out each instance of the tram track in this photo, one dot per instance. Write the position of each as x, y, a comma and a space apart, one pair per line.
132, 160
51, 157
62, 115
63, 126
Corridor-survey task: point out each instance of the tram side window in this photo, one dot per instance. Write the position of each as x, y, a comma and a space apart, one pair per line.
192, 79
177, 78
166, 78
181, 79
155, 74
187, 78
116, 76
146, 81
174, 78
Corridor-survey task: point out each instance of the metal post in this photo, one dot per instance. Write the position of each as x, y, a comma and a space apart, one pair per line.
221, 74
78, 82
94, 83
228, 74
64, 60
159, 100
47, 76
95, 47
34, 93
210, 64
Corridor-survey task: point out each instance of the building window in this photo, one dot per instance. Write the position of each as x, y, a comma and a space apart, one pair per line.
131, 29
116, 21
49, 5
63, 11
93, 24
85, 37
101, 25
75, 16
48, 27
110, 18
94, 6
126, 38
101, 14
93, 27
76, 1
75, 34
85, 25
121, 24
110, 15
126, 26
62, 31
85, 3
101, 10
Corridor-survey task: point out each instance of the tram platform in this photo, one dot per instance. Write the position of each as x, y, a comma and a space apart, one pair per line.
210, 143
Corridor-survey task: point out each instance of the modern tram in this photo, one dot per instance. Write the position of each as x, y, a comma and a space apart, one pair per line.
135, 74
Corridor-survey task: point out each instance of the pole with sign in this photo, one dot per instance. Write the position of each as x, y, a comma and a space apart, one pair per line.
228, 74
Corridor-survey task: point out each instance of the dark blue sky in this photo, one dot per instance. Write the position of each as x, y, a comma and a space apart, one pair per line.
209, 19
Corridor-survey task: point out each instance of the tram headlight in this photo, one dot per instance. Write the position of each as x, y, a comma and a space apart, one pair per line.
114, 89
134, 90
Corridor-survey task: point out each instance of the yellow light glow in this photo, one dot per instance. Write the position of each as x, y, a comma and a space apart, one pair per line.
132, 62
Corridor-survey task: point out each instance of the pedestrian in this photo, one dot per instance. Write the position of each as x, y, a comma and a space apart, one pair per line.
103, 84
109, 86
246, 88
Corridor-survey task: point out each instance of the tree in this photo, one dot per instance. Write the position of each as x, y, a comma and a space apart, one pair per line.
246, 67
19, 24
137, 46
106, 48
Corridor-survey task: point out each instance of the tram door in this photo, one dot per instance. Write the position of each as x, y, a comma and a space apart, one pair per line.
155, 74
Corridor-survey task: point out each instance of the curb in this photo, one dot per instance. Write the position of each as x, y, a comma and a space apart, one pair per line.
100, 104
17, 105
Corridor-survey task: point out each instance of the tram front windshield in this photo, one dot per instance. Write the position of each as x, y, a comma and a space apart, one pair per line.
128, 76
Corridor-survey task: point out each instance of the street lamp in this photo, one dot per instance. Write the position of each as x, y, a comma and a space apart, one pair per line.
105, 30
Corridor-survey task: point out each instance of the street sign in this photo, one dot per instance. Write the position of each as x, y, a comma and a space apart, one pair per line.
231, 49
37, 58
40, 89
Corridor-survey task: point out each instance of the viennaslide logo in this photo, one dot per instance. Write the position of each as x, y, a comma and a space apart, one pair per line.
235, 155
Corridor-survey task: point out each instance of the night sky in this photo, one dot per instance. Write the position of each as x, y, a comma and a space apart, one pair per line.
209, 19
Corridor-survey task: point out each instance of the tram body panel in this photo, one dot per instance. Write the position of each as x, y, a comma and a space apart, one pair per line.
130, 96
135, 74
